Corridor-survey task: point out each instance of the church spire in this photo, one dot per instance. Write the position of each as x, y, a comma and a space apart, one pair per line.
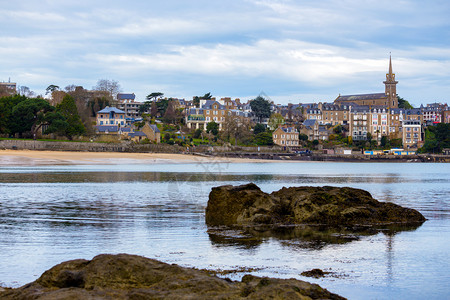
390, 67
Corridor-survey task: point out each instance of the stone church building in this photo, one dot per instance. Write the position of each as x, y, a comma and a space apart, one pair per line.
387, 99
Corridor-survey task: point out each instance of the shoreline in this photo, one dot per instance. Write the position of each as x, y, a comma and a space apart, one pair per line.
46, 157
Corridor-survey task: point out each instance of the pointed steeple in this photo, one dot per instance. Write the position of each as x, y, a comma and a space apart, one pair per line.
390, 67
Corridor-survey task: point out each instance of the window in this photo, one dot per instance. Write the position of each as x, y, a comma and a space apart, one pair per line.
101, 122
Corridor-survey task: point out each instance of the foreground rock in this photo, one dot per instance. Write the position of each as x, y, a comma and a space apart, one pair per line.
125, 276
248, 205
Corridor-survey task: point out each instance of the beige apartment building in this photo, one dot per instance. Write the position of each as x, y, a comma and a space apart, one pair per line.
286, 137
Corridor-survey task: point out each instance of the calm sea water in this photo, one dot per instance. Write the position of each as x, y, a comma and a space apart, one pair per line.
50, 214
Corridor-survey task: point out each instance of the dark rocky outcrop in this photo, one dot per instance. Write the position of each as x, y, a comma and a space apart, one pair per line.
316, 273
125, 276
248, 205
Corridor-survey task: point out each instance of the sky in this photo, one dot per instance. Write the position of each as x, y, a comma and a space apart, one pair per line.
290, 51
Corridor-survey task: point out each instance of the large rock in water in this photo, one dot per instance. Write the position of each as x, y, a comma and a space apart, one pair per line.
125, 276
248, 205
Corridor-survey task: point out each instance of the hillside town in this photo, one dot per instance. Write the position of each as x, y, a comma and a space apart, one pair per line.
373, 123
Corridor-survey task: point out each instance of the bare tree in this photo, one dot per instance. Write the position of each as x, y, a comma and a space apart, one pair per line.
110, 86
235, 127
25, 91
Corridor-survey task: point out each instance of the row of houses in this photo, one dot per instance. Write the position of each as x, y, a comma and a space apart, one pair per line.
363, 116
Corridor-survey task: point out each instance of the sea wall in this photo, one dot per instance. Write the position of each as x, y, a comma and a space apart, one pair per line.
88, 146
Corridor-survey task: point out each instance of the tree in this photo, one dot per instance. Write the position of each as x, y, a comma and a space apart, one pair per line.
302, 137
170, 114
384, 142
437, 138
259, 128
338, 129
153, 110
25, 91
212, 127
261, 108
112, 87
197, 133
206, 96
264, 139
275, 120
51, 88
68, 109
29, 115
402, 103
196, 101
154, 95
6, 106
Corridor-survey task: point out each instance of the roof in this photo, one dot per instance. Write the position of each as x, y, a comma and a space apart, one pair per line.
136, 133
209, 103
413, 111
289, 129
122, 96
125, 129
105, 128
108, 109
154, 128
360, 97
309, 122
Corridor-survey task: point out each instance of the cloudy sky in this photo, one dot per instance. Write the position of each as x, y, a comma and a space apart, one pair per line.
293, 51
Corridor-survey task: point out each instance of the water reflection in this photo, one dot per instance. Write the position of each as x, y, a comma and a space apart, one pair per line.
312, 237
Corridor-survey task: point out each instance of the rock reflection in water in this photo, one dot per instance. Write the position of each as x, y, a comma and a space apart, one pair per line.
312, 237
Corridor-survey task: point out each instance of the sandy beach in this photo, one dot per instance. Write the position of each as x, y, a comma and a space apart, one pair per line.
30, 158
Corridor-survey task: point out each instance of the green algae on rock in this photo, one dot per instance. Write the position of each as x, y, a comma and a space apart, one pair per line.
126, 276
248, 205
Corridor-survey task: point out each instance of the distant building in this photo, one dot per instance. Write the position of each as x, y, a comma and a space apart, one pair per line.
111, 116
286, 137
359, 122
7, 88
152, 132
126, 102
412, 133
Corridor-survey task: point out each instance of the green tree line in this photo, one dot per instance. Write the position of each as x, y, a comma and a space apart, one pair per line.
24, 117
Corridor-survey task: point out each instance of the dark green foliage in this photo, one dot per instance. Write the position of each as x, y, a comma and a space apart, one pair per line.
264, 139
212, 127
338, 129
6, 106
402, 103
259, 128
197, 134
29, 115
196, 101
302, 137
68, 109
437, 138
57, 123
98, 104
384, 141
261, 108
154, 95
315, 142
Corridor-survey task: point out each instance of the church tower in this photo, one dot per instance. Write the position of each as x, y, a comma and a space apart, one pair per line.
391, 87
